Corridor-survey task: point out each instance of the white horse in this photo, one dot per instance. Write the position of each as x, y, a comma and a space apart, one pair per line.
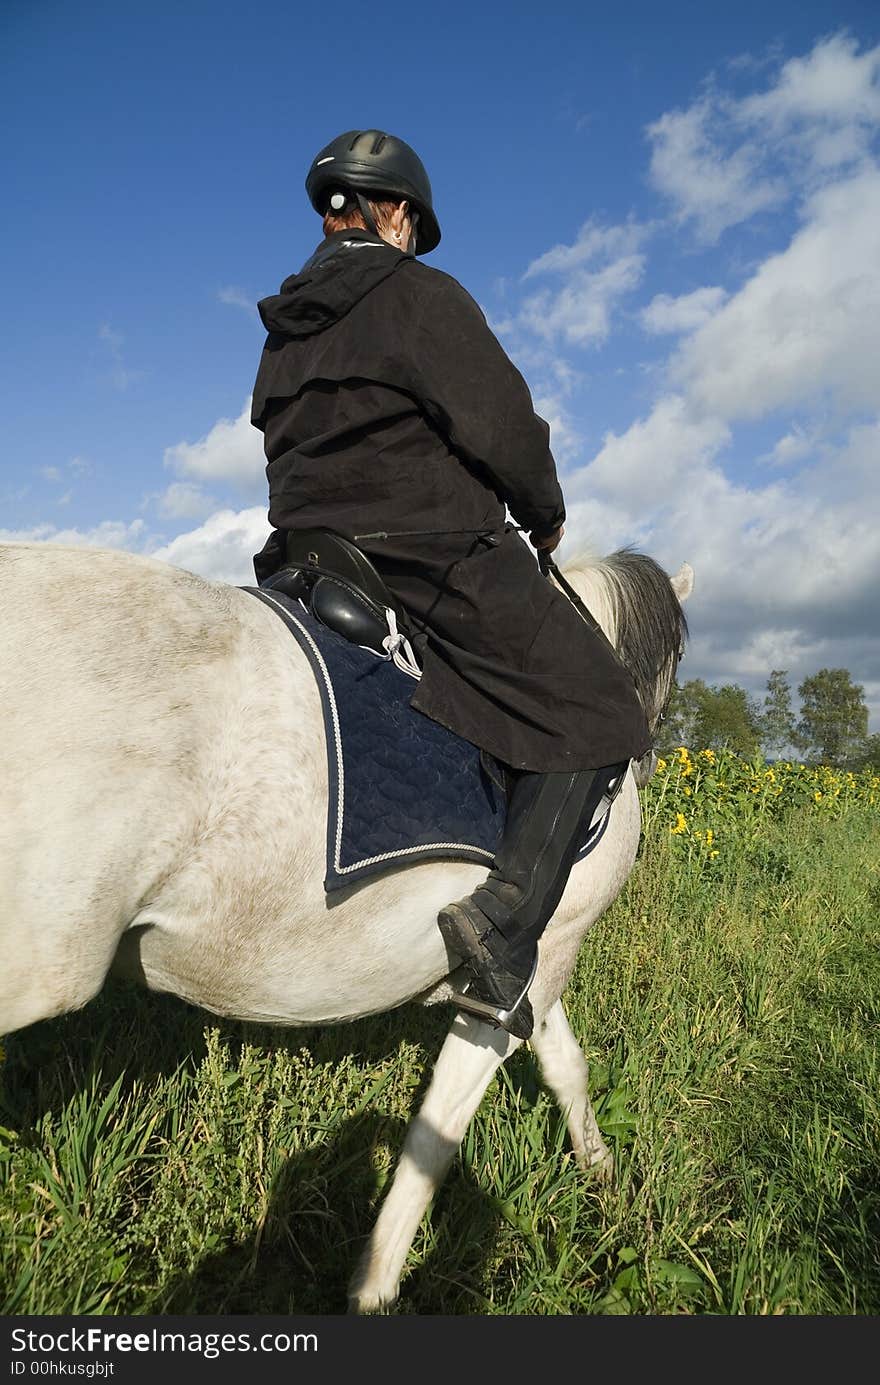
164, 783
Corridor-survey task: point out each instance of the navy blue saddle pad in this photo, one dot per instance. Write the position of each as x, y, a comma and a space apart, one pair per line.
402, 788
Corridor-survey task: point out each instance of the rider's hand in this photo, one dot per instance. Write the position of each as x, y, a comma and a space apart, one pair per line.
549, 541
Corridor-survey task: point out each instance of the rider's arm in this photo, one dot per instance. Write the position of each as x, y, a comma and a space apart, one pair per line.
473, 393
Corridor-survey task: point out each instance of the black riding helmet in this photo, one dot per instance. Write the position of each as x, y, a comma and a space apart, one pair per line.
370, 161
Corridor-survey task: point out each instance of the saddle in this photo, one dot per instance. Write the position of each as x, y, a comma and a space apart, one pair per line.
339, 585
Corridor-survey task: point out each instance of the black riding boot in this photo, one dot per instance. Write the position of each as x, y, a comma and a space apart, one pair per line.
495, 930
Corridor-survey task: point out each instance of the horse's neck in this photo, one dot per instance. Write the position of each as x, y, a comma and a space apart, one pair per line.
589, 581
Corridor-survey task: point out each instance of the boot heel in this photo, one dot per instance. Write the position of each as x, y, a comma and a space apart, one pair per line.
462, 933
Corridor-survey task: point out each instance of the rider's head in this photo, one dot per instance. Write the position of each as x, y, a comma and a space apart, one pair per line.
373, 180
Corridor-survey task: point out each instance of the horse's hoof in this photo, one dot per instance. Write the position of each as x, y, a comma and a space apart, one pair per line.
371, 1289
602, 1168
599, 1164
365, 1301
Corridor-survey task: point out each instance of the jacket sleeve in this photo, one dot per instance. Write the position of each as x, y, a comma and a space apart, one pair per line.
475, 396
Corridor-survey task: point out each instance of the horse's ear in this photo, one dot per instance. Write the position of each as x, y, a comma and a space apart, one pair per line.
683, 582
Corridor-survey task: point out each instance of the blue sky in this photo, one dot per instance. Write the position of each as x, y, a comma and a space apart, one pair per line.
668, 214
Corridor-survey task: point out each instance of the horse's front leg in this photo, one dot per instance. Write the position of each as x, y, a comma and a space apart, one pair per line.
564, 1069
468, 1061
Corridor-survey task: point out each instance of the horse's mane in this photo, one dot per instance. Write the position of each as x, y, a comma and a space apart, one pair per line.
642, 617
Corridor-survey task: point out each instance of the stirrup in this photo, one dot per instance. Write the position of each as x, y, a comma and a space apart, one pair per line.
513, 1019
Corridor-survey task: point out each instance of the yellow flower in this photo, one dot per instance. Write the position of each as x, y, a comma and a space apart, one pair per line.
817, 797
710, 836
661, 764
680, 825
683, 754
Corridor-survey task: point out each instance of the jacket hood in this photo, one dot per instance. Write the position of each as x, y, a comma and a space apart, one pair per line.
343, 270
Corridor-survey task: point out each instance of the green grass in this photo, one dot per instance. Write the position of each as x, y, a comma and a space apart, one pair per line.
155, 1161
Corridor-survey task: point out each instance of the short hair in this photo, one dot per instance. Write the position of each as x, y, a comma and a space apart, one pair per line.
350, 217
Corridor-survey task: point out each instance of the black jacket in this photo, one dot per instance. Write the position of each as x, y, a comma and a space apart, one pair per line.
388, 405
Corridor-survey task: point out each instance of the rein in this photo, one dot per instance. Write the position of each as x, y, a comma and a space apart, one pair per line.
549, 569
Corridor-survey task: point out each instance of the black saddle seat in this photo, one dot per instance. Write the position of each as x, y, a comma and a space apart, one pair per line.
340, 585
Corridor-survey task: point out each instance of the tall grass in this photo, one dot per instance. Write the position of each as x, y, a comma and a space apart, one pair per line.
153, 1160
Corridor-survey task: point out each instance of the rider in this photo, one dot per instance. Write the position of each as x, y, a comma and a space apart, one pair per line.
392, 415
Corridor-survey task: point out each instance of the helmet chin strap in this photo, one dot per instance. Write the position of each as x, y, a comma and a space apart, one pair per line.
414, 232
367, 213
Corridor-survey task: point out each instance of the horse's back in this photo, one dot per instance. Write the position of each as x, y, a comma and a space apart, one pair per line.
106, 654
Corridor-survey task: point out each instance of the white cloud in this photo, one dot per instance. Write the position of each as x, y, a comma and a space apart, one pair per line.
231, 451
827, 103
690, 310
649, 464
712, 188
222, 548
597, 526
806, 326
109, 534
580, 312
113, 339
237, 298
792, 447
183, 500
565, 440
594, 242
722, 160
120, 376
786, 573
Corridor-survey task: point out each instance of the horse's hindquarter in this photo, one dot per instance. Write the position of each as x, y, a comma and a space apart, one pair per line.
115, 683
165, 783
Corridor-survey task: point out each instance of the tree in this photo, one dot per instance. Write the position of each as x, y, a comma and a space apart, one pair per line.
679, 723
868, 755
713, 718
729, 719
778, 730
834, 716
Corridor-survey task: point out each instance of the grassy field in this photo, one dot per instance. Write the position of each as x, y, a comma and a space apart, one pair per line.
155, 1161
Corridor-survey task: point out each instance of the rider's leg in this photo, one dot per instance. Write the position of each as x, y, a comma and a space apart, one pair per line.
496, 929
